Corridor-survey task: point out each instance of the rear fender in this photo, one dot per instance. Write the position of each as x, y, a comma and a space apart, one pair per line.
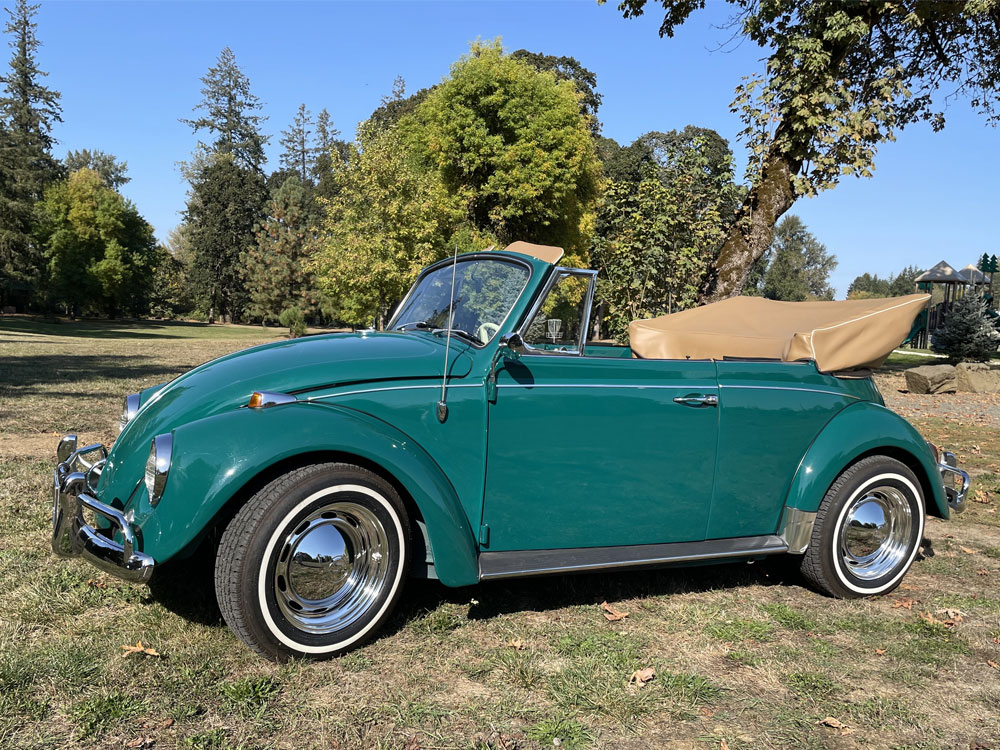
860, 430
216, 457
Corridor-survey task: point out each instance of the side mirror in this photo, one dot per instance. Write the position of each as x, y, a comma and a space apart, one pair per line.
513, 344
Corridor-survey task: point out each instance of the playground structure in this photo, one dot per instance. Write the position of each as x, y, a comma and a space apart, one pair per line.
946, 285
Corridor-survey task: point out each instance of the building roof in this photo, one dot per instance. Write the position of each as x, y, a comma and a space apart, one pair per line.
973, 274
942, 273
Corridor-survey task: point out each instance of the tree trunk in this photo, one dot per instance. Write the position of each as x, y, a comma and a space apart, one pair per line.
751, 233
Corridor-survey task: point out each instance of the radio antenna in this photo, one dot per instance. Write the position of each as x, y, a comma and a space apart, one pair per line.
442, 405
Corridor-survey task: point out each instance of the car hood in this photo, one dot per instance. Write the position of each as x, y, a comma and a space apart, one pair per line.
292, 366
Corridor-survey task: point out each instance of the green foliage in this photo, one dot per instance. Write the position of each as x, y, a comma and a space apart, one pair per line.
569, 69
799, 267
228, 112
867, 286
100, 253
113, 172
968, 333
248, 695
387, 220
28, 111
330, 152
510, 145
298, 153
225, 204
656, 238
293, 319
840, 80
274, 268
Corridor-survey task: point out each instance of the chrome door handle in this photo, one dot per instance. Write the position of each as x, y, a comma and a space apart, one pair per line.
697, 400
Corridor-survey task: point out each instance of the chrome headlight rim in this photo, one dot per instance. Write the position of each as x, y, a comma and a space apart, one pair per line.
158, 466
129, 409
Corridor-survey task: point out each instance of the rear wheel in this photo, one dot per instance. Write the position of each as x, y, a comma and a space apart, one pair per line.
868, 530
313, 564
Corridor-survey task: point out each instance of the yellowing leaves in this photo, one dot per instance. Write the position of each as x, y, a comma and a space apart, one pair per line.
139, 649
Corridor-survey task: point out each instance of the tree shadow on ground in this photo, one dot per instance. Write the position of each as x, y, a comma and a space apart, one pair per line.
105, 329
20, 375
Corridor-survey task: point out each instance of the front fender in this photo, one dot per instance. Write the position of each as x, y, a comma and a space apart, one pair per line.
860, 429
214, 458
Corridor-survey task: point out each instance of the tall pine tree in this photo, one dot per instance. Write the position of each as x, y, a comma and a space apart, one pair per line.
329, 152
228, 187
28, 111
298, 151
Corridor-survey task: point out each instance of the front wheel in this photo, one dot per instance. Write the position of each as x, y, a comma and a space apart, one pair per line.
868, 530
313, 564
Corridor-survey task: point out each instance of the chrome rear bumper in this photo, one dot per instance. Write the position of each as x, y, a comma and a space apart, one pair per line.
956, 481
72, 536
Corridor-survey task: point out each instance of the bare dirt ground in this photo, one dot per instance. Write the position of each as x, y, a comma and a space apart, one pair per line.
743, 655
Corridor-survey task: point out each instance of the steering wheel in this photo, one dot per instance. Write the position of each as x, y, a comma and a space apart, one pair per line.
486, 331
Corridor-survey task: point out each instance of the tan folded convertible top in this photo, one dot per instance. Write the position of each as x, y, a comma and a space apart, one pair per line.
848, 335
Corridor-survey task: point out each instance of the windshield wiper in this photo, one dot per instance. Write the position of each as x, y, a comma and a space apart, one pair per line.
460, 332
421, 324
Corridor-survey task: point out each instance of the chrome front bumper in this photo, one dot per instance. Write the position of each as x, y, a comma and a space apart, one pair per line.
956, 481
71, 535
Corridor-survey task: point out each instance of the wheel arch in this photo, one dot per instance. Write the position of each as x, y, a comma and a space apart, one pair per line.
220, 462
859, 431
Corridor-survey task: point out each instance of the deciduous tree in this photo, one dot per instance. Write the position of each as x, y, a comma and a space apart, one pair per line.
841, 79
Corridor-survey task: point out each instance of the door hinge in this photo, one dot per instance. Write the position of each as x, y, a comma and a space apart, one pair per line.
484, 535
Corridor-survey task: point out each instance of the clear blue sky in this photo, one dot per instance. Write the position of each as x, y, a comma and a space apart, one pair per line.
129, 70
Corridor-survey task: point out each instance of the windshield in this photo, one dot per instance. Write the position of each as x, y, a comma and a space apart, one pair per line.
485, 291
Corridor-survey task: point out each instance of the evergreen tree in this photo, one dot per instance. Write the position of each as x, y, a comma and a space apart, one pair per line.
968, 333
228, 187
114, 172
229, 110
28, 110
801, 266
298, 154
274, 268
226, 203
330, 152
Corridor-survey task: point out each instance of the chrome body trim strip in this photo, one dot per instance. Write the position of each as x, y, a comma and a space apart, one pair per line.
790, 388
73, 537
395, 388
797, 528
555, 561
948, 467
651, 386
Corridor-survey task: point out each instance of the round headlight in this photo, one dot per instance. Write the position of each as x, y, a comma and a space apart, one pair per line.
158, 466
129, 409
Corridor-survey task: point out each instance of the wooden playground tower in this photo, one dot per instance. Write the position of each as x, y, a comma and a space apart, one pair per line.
946, 285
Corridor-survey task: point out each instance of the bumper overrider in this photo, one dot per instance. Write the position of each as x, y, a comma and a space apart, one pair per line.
956, 481
110, 547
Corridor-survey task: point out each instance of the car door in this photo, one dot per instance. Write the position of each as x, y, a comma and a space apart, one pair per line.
595, 451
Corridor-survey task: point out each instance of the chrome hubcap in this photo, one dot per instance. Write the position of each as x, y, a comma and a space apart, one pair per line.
875, 535
331, 568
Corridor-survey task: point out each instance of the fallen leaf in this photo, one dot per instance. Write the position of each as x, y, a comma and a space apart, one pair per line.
880, 651
98, 583
140, 742
724, 745
138, 648
904, 603
951, 614
707, 712
517, 644
831, 722
968, 550
641, 676
932, 620
167, 724
982, 572
993, 664
612, 614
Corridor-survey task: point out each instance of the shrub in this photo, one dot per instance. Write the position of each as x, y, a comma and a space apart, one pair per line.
968, 333
294, 320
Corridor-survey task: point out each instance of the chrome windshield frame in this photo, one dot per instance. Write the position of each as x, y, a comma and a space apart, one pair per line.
446, 262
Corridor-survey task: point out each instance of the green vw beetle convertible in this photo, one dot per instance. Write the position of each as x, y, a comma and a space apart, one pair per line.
485, 435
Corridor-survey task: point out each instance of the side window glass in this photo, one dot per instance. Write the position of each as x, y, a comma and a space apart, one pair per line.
557, 324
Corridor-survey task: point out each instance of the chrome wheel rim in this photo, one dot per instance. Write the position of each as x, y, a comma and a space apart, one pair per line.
875, 533
331, 568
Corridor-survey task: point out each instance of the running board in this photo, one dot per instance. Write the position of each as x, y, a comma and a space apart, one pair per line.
537, 562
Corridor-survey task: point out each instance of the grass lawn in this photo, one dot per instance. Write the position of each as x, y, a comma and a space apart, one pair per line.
744, 655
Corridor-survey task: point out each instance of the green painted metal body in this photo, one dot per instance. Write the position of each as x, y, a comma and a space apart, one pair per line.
566, 451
